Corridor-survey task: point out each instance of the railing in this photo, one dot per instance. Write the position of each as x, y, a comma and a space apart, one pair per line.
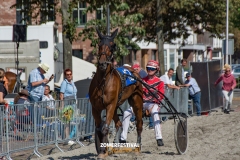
54, 122
44, 123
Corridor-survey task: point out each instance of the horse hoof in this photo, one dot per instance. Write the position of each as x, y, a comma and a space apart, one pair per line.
102, 156
137, 153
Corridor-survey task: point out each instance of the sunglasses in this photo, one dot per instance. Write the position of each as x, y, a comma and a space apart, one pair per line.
227, 70
150, 69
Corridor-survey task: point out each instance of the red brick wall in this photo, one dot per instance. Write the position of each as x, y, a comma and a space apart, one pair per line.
7, 15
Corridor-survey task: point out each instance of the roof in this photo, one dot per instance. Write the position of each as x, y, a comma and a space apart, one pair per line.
194, 47
81, 70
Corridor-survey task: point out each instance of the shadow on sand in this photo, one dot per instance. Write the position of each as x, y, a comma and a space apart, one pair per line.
88, 156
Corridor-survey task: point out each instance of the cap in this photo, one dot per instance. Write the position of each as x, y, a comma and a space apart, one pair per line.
187, 75
135, 66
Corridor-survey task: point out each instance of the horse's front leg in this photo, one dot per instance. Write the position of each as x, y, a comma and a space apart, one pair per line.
105, 129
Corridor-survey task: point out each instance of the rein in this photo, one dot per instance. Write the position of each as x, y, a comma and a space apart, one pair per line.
171, 107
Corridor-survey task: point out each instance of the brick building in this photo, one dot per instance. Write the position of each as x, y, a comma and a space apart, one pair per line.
83, 50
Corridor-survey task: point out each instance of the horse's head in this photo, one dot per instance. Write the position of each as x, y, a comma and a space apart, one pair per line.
106, 49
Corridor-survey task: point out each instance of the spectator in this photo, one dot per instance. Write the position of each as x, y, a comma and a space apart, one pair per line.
5, 83
229, 83
143, 74
194, 92
37, 82
167, 79
136, 66
151, 104
22, 113
48, 97
180, 73
68, 90
3, 91
115, 65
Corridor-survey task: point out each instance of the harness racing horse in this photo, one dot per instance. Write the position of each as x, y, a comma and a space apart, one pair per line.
107, 92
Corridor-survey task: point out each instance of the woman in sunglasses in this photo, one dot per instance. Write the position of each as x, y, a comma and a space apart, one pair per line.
229, 83
150, 103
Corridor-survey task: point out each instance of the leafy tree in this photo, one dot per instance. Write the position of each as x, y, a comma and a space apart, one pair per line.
165, 20
129, 26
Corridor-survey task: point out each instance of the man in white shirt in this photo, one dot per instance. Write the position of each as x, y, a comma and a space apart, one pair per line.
167, 79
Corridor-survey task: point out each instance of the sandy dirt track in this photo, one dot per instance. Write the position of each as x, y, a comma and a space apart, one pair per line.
212, 137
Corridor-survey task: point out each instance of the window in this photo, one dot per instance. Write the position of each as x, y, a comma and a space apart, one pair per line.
154, 55
22, 12
134, 54
79, 14
165, 59
43, 44
77, 53
172, 58
47, 11
99, 13
215, 54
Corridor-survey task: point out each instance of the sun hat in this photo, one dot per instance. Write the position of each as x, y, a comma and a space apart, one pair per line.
24, 92
226, 66
44, 66
126, 65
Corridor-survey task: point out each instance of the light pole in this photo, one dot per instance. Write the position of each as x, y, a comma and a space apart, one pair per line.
227, 6
108, 20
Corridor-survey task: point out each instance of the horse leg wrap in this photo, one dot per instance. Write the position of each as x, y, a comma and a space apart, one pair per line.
139, 139
105, 129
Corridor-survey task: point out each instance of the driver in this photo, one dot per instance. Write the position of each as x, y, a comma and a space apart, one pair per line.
151, 104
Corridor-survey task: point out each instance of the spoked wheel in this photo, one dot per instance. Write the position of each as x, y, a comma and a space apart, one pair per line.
181, 135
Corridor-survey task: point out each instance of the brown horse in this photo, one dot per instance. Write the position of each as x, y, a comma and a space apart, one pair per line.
107, 93
12, 79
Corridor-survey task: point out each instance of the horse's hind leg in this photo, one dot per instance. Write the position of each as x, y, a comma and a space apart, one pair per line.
118, 125
137, 104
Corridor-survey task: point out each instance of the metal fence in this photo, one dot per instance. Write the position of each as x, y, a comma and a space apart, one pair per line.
31, 126
44, 123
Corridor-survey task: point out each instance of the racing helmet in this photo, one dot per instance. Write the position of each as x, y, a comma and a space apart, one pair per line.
153, 64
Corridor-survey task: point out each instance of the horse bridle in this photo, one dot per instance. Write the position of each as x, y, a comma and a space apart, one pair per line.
106, 41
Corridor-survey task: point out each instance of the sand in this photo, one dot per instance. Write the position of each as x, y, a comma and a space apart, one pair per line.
213, 137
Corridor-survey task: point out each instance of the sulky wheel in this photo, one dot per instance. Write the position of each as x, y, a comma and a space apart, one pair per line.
181, 135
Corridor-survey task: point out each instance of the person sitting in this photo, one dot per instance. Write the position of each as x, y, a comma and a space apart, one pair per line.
151, 104
22, 112
48, 97
3, 90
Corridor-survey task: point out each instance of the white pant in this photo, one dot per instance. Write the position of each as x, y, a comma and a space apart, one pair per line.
154, 113
228, 95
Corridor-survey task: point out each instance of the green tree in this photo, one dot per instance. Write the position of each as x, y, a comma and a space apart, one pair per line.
166, 20
129, 26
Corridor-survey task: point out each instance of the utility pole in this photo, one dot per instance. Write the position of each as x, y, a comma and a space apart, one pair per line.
108, 19
67, 45
227, 6
160, 41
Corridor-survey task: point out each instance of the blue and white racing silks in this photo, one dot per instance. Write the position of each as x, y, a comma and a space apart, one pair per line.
129, 79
